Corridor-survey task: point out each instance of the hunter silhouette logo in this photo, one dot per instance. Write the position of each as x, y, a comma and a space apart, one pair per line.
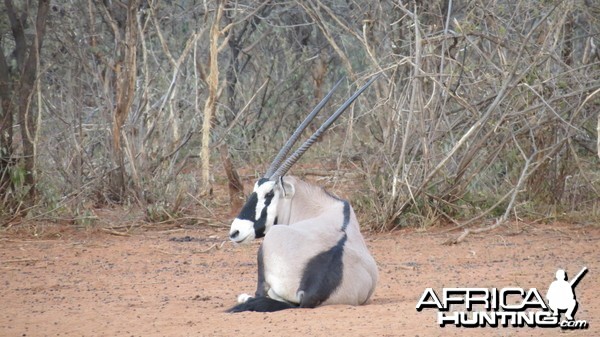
561, 294
505, 307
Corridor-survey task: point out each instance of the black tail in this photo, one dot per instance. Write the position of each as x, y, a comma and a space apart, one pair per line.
262, 304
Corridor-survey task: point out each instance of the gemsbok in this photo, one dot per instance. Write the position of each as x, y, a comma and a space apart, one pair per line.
313, 252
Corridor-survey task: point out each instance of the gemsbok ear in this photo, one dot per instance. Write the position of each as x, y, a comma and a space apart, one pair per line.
287, 189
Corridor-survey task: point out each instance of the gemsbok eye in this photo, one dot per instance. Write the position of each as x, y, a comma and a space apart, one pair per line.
270, 195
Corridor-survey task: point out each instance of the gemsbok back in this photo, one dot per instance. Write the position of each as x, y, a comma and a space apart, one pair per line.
313, 252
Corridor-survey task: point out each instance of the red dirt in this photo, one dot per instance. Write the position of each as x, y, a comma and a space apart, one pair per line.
91, 283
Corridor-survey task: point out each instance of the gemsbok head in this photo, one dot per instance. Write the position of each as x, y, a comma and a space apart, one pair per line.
313, 252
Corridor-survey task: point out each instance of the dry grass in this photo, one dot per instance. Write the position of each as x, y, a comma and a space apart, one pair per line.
486, 111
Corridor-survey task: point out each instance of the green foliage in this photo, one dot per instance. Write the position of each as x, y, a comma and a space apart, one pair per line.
17, 176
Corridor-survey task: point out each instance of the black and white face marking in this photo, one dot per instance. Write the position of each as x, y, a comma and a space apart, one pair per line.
258, 214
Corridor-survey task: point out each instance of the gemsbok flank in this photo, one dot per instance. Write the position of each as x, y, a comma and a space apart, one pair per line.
315, 255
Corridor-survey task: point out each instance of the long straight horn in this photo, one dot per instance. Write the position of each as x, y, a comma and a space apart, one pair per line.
288, 145
300, 151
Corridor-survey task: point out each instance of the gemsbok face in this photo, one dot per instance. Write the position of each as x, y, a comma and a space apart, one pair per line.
313, 252
258, 214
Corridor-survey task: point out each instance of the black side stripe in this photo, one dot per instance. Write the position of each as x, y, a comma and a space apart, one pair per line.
346, 215
322, 275
346, 210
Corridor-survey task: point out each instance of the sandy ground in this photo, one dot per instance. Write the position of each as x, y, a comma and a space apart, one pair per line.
90, 283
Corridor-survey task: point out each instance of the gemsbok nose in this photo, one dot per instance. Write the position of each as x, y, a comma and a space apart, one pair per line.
234, 234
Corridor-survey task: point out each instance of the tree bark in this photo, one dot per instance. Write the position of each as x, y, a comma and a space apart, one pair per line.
235, 186
210, 106
6, 130
125, 74
27, 60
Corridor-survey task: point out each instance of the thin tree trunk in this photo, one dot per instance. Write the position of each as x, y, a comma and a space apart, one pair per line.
25, 93
6, 130
235, 186
210, 105
125, 75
